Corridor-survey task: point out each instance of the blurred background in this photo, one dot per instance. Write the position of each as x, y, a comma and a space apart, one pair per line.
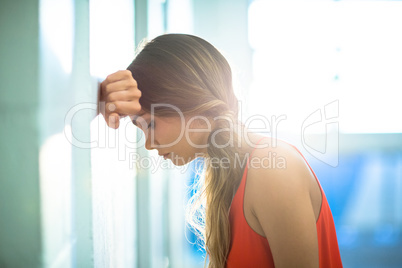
323, 75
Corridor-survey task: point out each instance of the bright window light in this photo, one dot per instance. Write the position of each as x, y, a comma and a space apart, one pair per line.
309, 54
111, 36
57, 29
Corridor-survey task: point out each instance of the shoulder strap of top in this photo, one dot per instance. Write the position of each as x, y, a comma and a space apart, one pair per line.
251, 154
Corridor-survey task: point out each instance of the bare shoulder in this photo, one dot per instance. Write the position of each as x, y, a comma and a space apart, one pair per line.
277, 160
279, 205
277, 174
279, 184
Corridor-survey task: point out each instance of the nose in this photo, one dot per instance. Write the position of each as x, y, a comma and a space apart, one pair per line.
148, 144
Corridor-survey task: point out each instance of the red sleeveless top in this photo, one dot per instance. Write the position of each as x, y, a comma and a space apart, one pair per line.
249, 249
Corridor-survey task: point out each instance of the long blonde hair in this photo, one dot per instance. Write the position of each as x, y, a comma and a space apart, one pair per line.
191, 74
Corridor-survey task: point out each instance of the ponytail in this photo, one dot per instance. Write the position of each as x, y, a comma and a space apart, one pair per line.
222, 177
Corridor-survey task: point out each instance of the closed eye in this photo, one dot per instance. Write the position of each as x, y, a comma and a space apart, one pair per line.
140, 118
139, 124
151, 124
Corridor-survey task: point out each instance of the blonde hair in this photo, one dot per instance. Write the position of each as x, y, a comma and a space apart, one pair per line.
191, 74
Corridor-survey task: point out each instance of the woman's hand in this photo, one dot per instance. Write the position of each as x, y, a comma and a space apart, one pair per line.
119, 96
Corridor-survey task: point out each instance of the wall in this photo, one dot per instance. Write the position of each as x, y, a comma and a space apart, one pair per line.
45, 193
20, 237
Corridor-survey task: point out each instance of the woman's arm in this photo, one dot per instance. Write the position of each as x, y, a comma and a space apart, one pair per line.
280, 200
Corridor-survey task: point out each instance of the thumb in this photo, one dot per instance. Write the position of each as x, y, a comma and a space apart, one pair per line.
113, 120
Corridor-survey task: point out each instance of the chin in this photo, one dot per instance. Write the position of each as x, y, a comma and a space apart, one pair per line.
181, 161
180, 164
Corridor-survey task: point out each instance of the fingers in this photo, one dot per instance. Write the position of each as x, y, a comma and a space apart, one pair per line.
113, 120
123, 96
110, 87
118, 76
119, 97
110, 80
123, 108
114, 110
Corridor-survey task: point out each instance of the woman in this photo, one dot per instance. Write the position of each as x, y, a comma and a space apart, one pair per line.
178, 90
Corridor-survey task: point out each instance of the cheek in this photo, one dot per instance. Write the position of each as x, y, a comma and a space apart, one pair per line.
167, 135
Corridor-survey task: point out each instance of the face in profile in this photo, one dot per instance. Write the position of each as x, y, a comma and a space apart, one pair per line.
178, 138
